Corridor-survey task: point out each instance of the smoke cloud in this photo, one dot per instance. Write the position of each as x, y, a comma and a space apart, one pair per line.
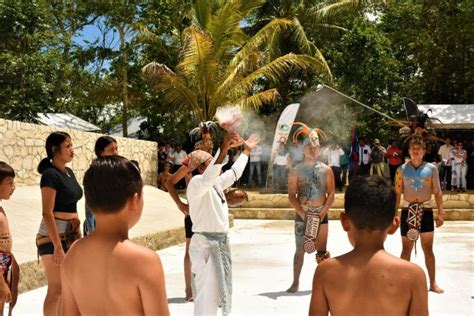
329, 111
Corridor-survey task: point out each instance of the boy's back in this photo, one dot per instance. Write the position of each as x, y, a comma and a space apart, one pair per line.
110, 277
368, 280
380, 284
105, 273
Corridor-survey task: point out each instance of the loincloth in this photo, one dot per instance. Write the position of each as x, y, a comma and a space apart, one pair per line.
11, 274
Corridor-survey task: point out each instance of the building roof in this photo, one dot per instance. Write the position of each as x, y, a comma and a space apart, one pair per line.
452, 116
66, 120
133, 128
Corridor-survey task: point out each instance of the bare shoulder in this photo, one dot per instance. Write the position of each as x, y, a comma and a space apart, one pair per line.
140, 255
328, 266
73, 254
404, 269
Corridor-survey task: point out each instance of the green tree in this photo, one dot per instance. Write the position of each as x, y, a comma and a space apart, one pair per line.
433, 41
368, 71
68, 18
220, 65
123, 18
25, 70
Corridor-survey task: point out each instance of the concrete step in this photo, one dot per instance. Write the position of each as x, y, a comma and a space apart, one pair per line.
259, 200
289, 213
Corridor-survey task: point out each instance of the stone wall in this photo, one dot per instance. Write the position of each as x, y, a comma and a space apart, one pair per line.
22, 146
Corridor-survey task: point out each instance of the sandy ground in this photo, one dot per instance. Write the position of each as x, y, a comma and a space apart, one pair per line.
262, 254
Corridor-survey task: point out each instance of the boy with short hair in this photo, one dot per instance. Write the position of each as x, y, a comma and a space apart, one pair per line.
8, 266
368, 280
105, 273
418, 180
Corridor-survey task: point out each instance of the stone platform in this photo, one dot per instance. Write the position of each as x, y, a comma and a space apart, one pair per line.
458, 207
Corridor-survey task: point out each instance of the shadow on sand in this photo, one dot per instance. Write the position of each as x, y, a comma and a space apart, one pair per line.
276, 295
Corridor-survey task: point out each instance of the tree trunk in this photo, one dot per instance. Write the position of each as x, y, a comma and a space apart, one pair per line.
123, 52
59, 80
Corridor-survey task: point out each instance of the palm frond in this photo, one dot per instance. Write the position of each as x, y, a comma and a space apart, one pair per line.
245, 66
174, 89
332, 8
248, 6
201, 12
197, 59
263, 37
300, 38
332, 26
278, 69
257, 100
223, 25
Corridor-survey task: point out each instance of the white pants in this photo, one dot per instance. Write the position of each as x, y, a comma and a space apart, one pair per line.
206, 295
460, 175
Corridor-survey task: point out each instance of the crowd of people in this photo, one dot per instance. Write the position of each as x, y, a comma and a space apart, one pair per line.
454, 160
114, 203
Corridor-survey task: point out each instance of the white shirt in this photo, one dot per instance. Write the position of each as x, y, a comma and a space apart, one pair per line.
459, 152
281, 159
256, 154
364, 154
334, 157
179, 157
444, 151
207, 205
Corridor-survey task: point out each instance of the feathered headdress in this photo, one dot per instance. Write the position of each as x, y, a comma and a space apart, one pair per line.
203, 132
312, 134
203, 128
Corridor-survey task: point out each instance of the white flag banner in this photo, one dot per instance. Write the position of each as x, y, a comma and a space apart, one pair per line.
284, 124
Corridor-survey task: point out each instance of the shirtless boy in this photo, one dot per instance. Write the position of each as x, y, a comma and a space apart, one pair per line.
417, 180
368, 280
8, 290
122, 277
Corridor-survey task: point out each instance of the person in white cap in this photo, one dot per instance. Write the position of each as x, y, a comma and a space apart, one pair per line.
209, 249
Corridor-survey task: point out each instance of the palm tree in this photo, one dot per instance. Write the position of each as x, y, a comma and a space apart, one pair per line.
220, 65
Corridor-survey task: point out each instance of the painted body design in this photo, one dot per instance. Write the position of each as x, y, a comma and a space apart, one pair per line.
417, 183
311, 182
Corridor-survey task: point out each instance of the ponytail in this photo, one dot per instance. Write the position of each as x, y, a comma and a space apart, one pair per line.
44, 164
53, 142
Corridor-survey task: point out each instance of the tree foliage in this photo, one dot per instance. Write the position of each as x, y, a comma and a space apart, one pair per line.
220, 65
202, 54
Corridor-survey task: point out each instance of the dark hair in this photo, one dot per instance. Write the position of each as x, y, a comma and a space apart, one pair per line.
6, 171
101, 143
110, 182
136, 164
370, 203
53, 143
417, 141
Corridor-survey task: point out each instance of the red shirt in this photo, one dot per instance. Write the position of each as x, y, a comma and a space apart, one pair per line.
394, 160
